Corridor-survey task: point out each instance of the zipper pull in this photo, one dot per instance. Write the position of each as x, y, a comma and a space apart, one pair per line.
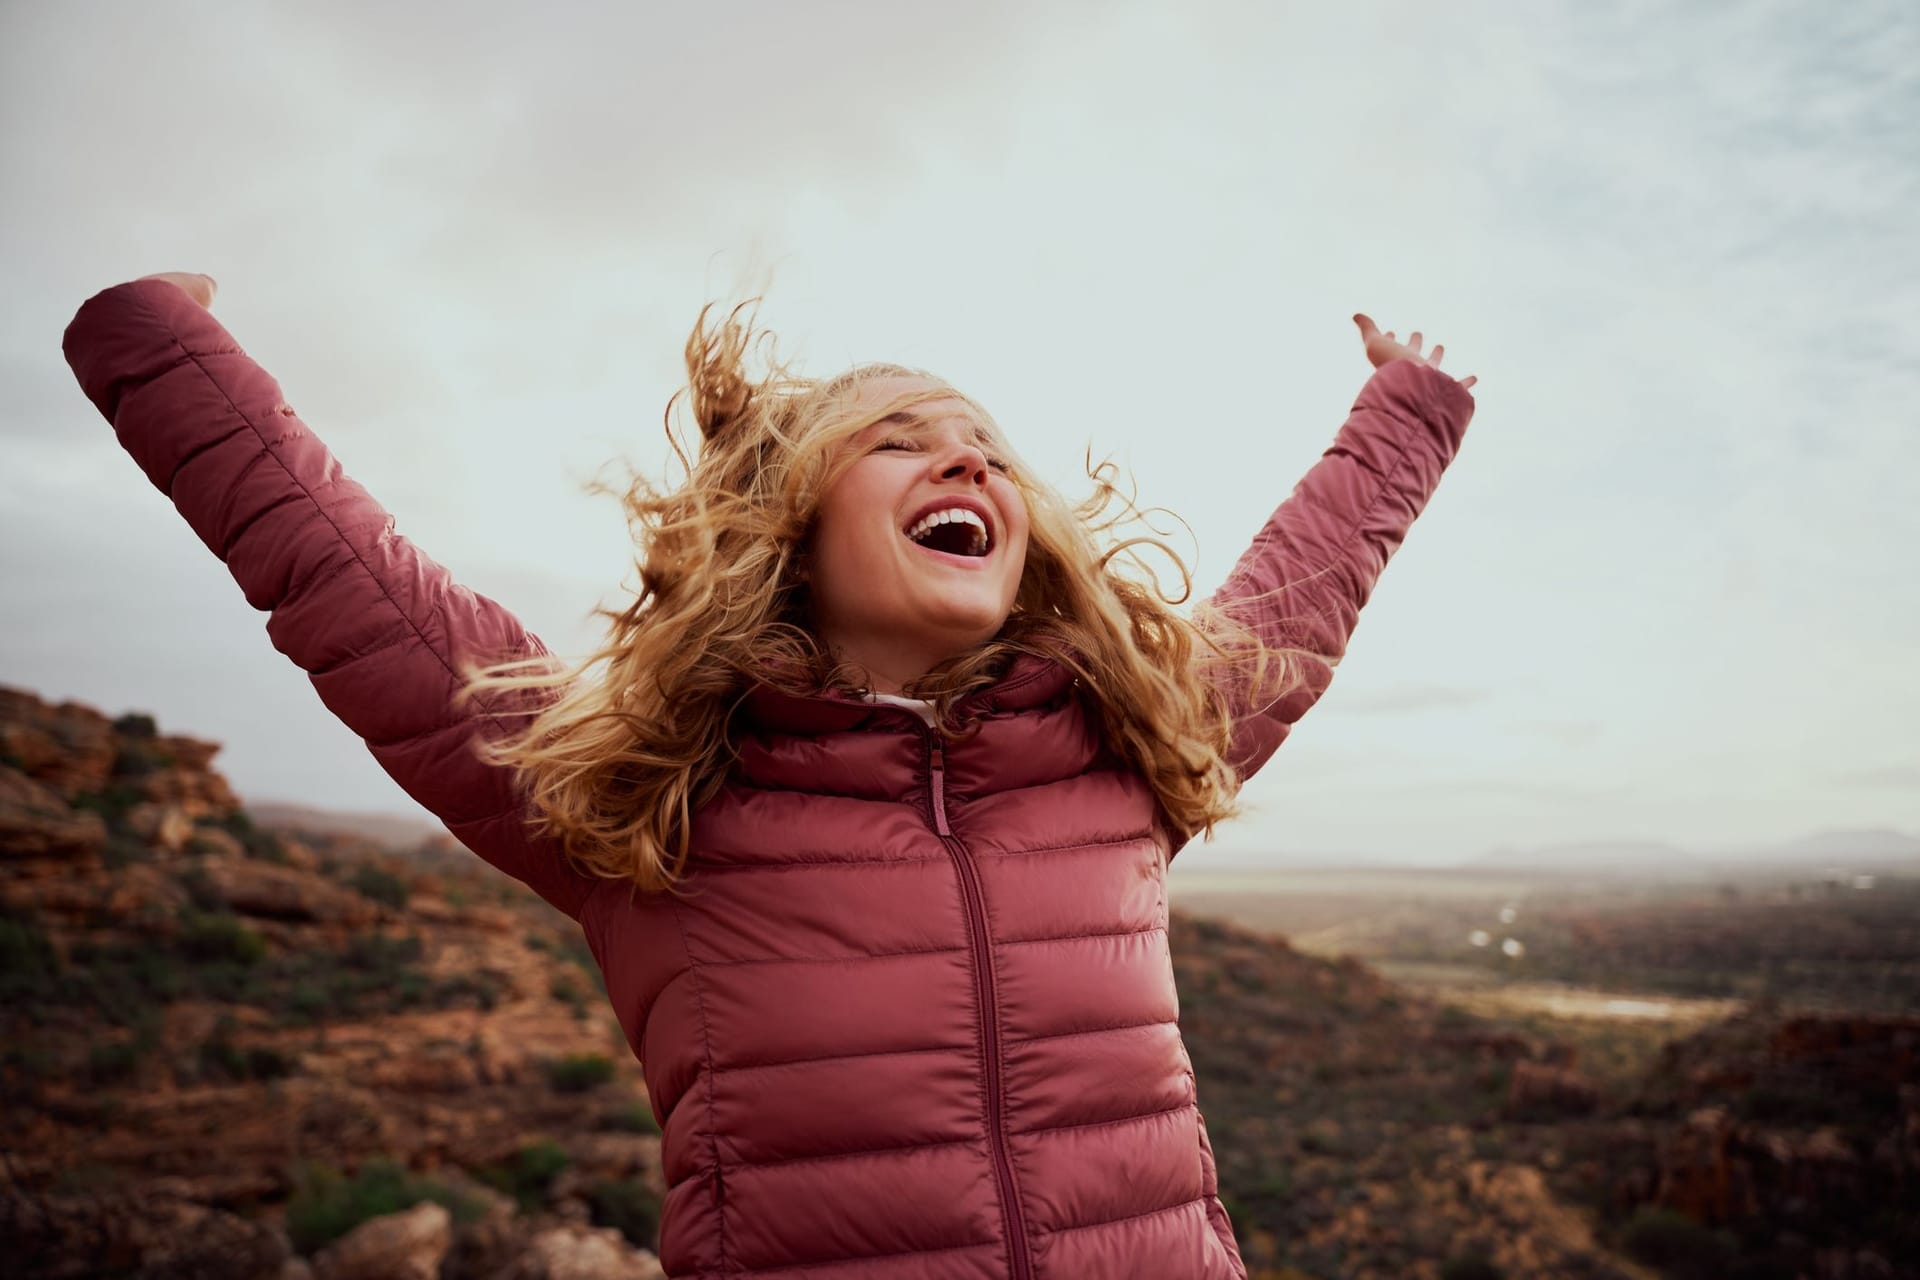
939, 787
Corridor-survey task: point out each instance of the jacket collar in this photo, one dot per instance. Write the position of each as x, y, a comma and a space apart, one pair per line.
1029, 681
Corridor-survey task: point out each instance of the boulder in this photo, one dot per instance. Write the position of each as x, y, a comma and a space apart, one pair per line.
395, 1246
258, 888
167, 827
575, 1252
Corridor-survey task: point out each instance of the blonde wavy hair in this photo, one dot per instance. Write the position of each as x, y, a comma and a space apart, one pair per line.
618, 750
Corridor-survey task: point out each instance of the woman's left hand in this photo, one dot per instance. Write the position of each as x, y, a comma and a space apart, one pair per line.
1381, 347
198, 285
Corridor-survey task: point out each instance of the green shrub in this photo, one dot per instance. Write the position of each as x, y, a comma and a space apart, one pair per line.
111, 804
563, 989
258, 841
220, 1058
1473, 1264
629, 1207
139, 759
115, 1061
635, 1117
136, 724
382, 886
122, 850
1676, 1244
529, 1174
325, 1205
200, 889
218, 937
26, 953
579, 1072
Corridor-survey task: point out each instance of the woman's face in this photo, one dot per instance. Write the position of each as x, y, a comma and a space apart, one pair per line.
891, 590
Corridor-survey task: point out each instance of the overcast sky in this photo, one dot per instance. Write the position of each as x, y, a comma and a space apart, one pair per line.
1666, 591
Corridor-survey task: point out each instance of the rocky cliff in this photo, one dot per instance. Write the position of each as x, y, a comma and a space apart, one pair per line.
225, 1047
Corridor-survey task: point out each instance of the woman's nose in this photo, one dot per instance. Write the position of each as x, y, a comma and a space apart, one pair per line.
970, 464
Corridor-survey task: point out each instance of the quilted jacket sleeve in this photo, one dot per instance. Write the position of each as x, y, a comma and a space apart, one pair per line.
1311, 568
375, 623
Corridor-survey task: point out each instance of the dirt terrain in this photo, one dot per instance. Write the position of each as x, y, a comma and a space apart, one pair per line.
239, 1051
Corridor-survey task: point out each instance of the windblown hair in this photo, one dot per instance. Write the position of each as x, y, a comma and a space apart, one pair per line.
619, 750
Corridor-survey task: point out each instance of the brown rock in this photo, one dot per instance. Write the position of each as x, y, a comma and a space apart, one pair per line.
1538, 1087
36, 822
620, 1155
300, 856
200, 793
164, 826
69, 747
576, 1252
1699, 1174
415, 1068
397, 1246
216, 842
282, 893
195, 755
437, 910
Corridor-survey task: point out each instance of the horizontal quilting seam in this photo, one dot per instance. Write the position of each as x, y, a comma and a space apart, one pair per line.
856, 1259
786, 1162
327, 570
401, 635
245, 527
862, 955
706, 867
1071, 937
1107, 1222
1097, 1031
1095, 1124
836, 1057
1075, 845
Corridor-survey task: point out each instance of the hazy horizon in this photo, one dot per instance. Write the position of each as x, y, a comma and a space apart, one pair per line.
1656, 596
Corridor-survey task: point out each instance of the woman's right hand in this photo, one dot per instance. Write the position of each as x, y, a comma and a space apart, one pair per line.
200, 288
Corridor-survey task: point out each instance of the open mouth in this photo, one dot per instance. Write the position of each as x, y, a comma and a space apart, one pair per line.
956, 531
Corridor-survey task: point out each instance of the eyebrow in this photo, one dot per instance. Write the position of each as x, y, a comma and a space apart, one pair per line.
908, 418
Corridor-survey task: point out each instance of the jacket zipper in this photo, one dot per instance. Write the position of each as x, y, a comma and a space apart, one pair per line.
989, 1016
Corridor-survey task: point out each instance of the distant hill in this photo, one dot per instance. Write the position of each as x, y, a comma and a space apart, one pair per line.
1844, 849
393, 830
1588, 855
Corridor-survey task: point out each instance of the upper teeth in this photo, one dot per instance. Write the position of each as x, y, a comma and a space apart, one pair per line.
929, 523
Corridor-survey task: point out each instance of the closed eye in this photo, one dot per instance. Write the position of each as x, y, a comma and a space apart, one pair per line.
998, 464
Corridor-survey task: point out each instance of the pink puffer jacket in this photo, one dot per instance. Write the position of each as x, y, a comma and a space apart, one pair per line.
916, 1019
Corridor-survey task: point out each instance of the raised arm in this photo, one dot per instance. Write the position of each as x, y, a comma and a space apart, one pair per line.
377, 625
1310, 570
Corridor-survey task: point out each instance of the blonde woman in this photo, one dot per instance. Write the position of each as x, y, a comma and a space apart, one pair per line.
867, 802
